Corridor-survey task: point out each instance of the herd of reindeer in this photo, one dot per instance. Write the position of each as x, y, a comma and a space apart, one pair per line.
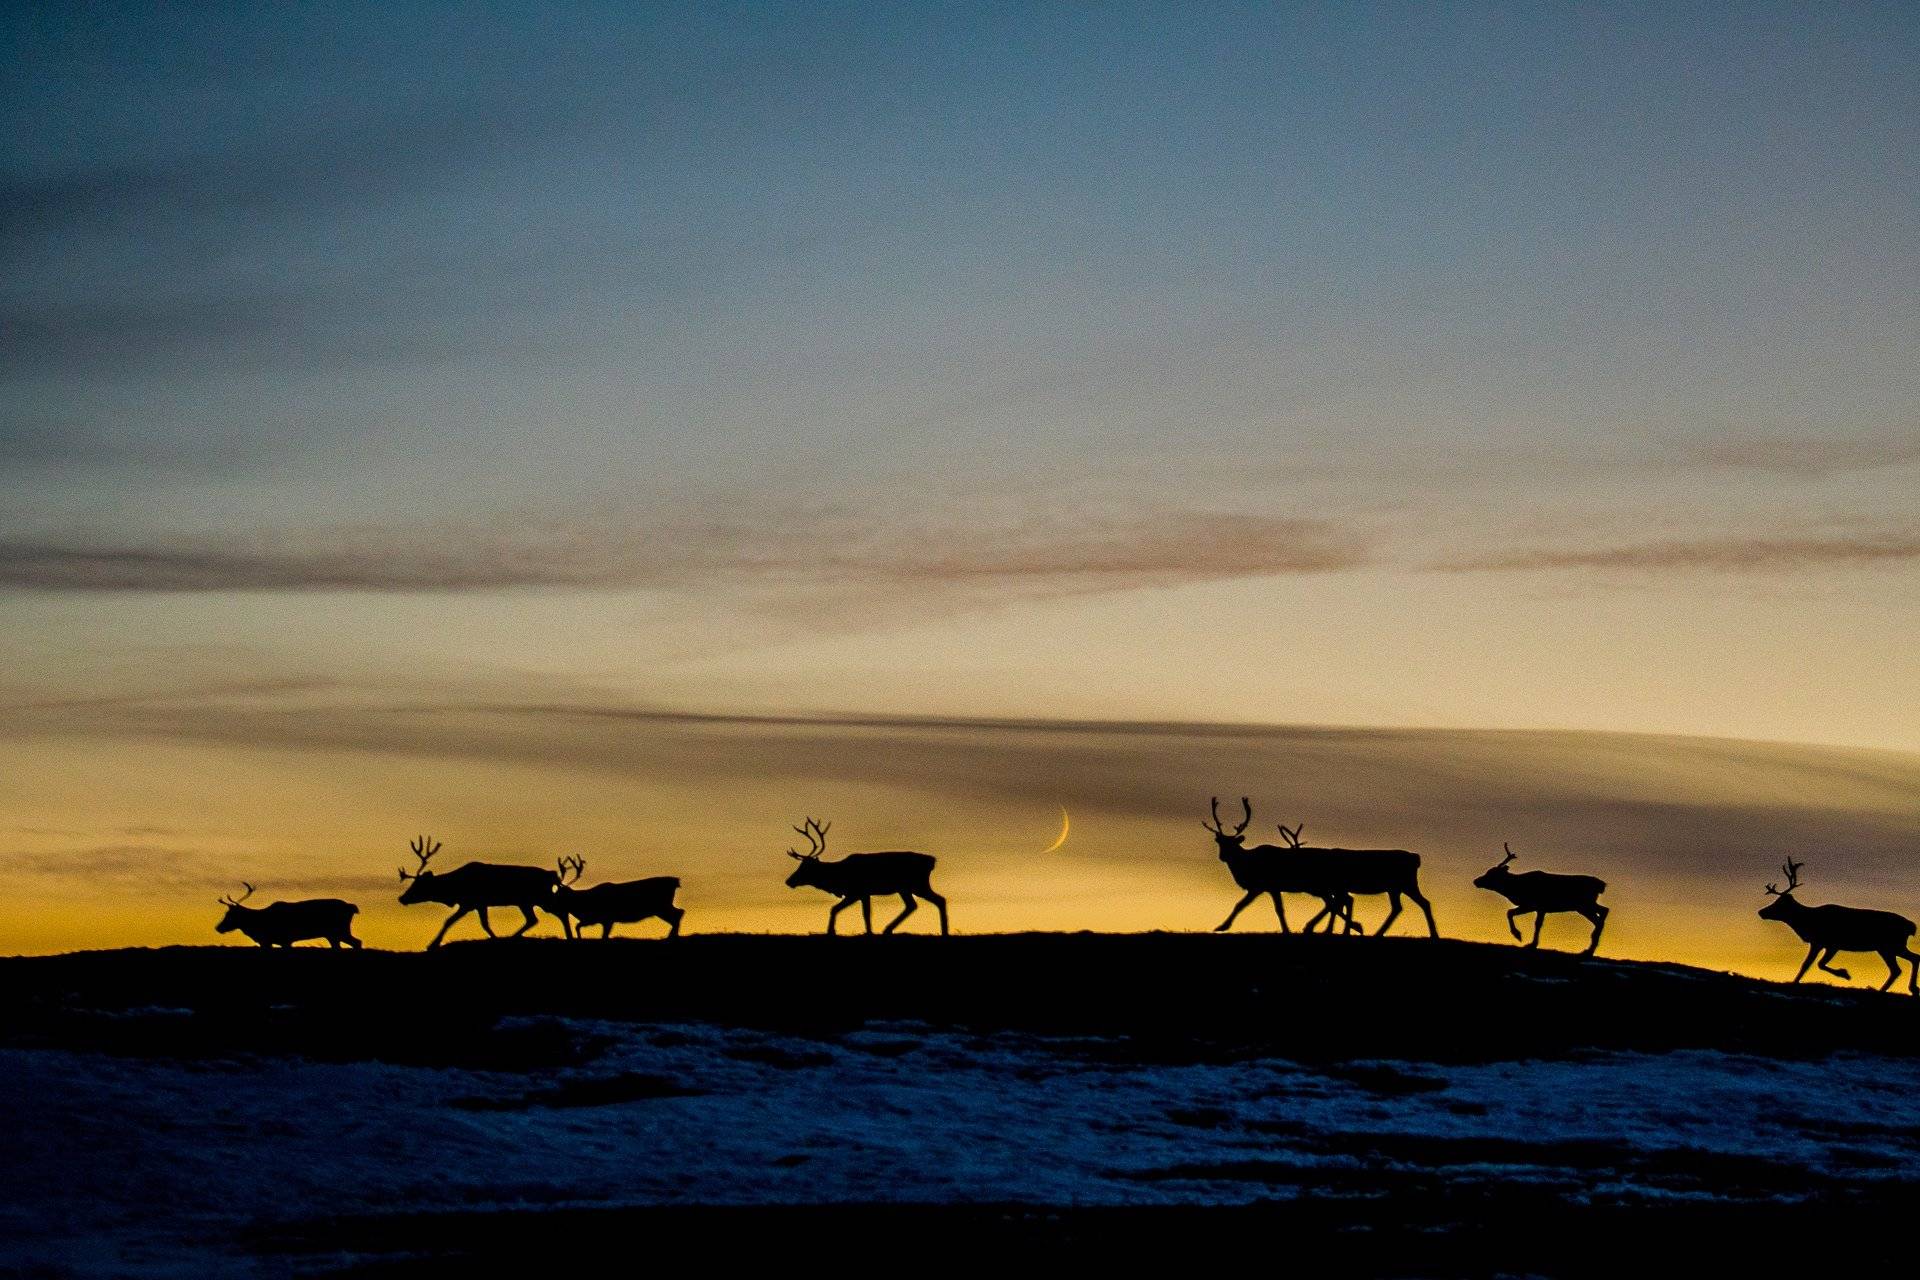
1334, 877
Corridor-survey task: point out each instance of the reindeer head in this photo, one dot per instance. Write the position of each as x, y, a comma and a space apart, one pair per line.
1230, 842
1495, 876
232, 920
421, 888
808, 872
1783, 904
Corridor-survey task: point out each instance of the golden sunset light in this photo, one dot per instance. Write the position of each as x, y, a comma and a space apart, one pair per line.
641, 621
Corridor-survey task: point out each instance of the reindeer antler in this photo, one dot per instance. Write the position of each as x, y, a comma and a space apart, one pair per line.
816, 834
575, 865
1792, 869
1218, 827
231, 901
423, 849
1511, 855
1292, 834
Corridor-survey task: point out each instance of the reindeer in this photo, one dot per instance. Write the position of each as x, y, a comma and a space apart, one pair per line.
1543, 894
859, 876
475, 886
1267, 869
1394, 872
281, 924
1829, 929
606, 905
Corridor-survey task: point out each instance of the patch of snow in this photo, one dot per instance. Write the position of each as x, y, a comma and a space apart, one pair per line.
112, 1165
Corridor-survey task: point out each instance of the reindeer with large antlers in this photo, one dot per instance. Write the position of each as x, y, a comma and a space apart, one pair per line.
476, 886
1267, 869
1829, 929
1543, 893
281, 924
860, 877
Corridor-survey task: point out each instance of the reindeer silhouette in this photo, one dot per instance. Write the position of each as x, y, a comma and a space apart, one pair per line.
1542, 893
476, 886
281, 924
1270, 870
1394, 872
859, 877
624, 902
1830, 929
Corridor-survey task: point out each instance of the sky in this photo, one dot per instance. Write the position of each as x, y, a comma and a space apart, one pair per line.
533, 382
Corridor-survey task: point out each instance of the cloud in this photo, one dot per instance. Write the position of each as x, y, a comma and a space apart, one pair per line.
57, 444
1707, 555
1660, 807
1804, 456
120, 864
287, 176
1052, 556
40, 336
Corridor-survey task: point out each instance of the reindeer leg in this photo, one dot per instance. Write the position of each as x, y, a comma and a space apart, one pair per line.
833, 916
1234, 914
866, 912
1838, 973
1893, 968
1393, 898
1426, 909
911, 907
458, 912
606, 930
1599, 917
532, 920
939, 902
673, 916
1511, 926
1280, 909
486, 923
1539, 919
1326, 909
1807, 964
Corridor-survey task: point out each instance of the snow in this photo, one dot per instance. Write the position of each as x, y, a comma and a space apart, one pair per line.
130, 1166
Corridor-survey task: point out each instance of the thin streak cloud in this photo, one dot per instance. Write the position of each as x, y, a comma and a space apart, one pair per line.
1025, 557
1805, 456
1707, 555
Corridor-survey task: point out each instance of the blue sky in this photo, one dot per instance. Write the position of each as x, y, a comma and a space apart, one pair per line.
790, 331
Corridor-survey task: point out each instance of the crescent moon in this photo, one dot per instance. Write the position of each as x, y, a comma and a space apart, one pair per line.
1066, 824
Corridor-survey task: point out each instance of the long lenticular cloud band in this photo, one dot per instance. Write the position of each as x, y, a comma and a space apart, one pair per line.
1154, 548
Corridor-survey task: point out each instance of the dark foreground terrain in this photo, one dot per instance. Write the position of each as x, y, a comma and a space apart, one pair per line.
1415, 1107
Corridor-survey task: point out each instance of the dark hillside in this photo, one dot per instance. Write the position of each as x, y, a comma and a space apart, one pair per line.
1159, 997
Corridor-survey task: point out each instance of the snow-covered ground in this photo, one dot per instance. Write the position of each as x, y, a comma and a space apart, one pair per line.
117, 1165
